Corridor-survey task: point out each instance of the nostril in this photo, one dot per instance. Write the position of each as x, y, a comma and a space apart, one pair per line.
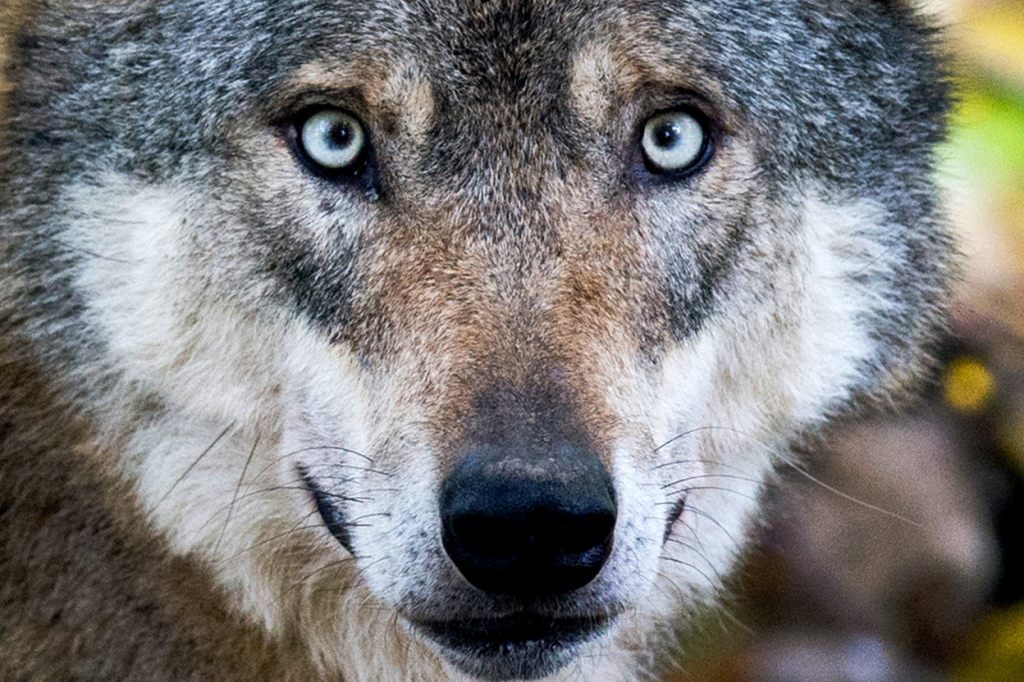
482, 534
556, 532
581, 533
531, 535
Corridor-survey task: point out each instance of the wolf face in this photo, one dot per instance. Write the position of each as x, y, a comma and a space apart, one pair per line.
461, 337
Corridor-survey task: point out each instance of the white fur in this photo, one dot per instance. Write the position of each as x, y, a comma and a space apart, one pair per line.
757, 376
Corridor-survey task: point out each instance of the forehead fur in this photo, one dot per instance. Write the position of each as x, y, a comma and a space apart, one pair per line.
867, 82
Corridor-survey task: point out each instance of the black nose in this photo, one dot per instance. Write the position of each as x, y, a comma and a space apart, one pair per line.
528, 525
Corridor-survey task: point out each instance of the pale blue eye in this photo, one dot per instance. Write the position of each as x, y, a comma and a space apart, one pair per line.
333, 139
674, 141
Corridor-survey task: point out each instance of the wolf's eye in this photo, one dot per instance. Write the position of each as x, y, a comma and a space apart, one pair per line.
332, 139
676, 142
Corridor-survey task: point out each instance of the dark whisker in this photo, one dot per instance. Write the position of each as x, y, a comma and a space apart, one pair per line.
679, 437
698, 477
298, 527
193, 465
702, 554
679, 462
714, 584
720, 488
712, 519
312, 448
238, 489
356, 467
356, 520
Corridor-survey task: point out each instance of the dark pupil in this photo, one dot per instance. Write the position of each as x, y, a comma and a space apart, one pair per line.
667, 135
340, 135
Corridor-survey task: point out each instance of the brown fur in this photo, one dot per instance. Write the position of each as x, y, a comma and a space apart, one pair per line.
116, 605
11, 17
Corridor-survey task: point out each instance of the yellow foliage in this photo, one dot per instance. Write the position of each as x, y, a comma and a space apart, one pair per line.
993, 33
998, 651
969, 385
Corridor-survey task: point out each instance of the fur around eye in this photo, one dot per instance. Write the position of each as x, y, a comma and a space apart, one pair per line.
676, 142
332, 140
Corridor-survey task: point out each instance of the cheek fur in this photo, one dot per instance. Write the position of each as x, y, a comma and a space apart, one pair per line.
762, 373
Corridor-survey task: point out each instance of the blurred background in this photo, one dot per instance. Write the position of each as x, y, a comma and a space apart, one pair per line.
931, 588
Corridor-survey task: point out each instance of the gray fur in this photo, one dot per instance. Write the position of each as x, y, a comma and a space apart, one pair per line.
838, 101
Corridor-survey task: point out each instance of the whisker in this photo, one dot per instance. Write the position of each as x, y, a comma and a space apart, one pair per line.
302, 581
702, 574
678, 462
720, 608
238, 489
329, 565
776, 453
312, 448
348, 479
356, 520
846, 496
679, 437
712, 519
700, 553
356, 467
698, 477
719, 488
193, 465
298, 527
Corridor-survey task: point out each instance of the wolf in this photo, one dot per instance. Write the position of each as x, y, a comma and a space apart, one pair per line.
437, 339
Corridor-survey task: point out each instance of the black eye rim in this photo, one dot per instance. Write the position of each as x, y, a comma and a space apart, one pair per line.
361, 169
707, 151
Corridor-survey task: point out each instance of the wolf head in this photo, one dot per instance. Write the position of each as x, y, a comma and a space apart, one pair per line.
494, 316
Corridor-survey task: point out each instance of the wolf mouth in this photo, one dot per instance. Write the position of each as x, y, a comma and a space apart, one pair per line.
520, 629
522, 646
